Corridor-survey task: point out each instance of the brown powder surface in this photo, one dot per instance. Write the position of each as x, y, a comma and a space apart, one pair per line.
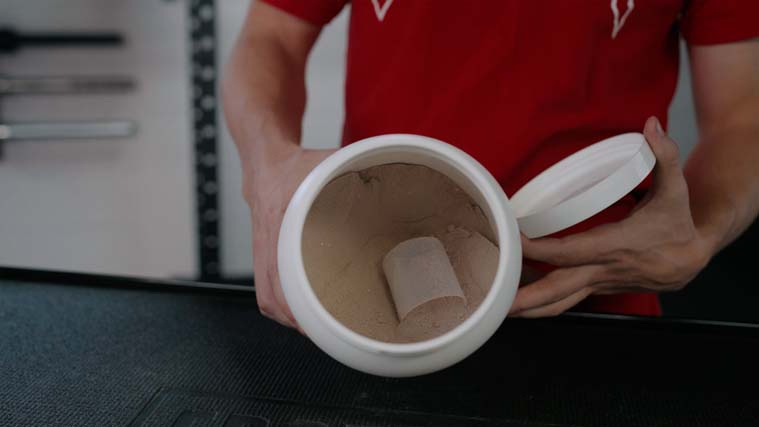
360, 216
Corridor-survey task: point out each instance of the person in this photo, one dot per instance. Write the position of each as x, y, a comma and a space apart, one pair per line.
520, 85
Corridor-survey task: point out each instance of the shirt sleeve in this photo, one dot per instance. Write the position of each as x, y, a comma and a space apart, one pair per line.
720, 21
317, 12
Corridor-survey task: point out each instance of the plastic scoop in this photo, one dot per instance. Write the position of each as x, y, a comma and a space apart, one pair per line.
418, 271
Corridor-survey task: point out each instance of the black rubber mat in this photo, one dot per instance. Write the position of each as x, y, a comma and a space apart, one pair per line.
97, 356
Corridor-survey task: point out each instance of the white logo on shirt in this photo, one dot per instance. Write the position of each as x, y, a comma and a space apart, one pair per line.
380, 11
619, 22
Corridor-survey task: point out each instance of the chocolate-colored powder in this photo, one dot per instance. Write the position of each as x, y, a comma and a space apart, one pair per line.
360, 216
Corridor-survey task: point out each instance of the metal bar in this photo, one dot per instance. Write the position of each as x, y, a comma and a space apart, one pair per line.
64, 85
66, 130
70, 39
12, 40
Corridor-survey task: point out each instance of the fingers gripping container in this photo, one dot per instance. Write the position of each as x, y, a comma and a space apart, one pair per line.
628, 161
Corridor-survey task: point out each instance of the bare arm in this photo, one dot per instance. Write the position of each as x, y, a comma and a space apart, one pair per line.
723, 170
264, 99
688, 214
264, 88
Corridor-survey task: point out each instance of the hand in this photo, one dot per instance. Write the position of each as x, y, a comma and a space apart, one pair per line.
657, 248
268, 190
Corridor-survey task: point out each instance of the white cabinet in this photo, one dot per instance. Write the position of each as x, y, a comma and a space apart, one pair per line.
108, 206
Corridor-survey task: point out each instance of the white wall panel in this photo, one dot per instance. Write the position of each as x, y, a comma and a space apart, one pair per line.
108, 206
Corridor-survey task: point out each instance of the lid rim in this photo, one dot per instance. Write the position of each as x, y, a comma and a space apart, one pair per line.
595, 198
331, 336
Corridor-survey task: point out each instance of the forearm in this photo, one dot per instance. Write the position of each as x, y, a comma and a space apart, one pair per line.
264, 96
723, 177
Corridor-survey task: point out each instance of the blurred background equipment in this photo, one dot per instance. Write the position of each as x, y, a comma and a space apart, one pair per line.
66, 130
80, 188
10, 85
12, 40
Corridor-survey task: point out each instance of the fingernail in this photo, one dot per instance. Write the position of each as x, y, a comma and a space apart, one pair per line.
659, 129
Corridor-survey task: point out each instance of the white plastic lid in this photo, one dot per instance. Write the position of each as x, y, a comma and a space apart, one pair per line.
582, 185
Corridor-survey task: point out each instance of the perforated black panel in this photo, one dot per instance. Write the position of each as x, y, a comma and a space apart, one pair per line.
205, 131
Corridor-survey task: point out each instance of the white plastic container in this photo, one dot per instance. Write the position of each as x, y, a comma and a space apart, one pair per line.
400, 360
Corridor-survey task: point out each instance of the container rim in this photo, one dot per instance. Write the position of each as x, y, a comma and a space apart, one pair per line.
334, 166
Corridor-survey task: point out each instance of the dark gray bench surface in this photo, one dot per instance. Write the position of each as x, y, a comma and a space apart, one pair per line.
122, 352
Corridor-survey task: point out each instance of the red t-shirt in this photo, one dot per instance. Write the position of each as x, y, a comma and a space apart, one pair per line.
521, 84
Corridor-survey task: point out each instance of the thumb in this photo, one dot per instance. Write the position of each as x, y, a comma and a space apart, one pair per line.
664, 148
